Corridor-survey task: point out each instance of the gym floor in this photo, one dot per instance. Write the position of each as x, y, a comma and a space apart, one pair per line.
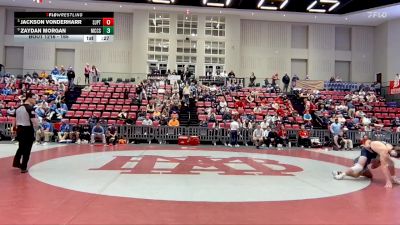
169, 184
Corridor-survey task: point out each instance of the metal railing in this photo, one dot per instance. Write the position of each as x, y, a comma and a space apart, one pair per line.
214, 136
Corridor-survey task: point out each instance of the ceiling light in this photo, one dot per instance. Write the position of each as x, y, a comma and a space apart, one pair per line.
317, 10
120, 6
223, 3
328, 1
284, 4
163, 1
270, 5
311, 5
334, 6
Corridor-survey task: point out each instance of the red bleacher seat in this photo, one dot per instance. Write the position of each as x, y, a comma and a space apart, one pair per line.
386, 123
84, 94
75, 107
218, 117
134, 108
118, 108
83, 121
107, 95
70, 114
207, 104
104, 101
114, 114
112, 101
92, 107
78, 114
97, 114
139, 123
295, 127
110, 122
126, 108
73, 121
156, 124
96, 101
106, 115
200, 104
101, 107
83, 107
120, 122
3, 119
132, 115
80, 100
109, 107
88, 100
120, 101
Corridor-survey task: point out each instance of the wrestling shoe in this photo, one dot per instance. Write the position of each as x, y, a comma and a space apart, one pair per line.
337, 175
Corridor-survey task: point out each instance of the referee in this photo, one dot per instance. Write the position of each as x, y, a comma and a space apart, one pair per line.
25, 122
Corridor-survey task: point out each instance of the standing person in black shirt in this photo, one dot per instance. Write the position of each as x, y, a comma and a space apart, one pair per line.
71, 77
285, 81
25, 123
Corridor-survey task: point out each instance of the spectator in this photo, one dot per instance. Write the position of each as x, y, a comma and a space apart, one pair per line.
270, 137
87, 72
282, 137
396, 122
348, 143
71, 77
2, 105
147, 121
85, 133
234, 128
95, 74
258, 136
111, 137
174, 122
285, 81
335, 129
11, 111
45, 132
304, 137
186, 94
55, 71
252, 80
275, 79
62, 70
307, 116
231, 74
75, 134
98, 133
151, 107
123, 115
63, 134
351, 109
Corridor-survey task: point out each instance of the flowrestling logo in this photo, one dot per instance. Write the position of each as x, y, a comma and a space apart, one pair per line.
195, 176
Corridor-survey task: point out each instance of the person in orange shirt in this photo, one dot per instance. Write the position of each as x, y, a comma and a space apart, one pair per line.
304, 137
174, 122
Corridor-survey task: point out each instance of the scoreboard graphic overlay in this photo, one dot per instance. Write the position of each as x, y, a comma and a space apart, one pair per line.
64, 26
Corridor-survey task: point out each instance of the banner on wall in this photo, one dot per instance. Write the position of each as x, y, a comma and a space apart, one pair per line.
394, 87
310, 84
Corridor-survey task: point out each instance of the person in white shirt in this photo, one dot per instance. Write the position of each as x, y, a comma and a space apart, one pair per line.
234, 133
258, 136
264, 124
147, 121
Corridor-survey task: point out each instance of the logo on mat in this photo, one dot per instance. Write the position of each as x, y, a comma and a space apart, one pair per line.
191, 165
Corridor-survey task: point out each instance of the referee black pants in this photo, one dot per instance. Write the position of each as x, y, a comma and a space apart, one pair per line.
25, 137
